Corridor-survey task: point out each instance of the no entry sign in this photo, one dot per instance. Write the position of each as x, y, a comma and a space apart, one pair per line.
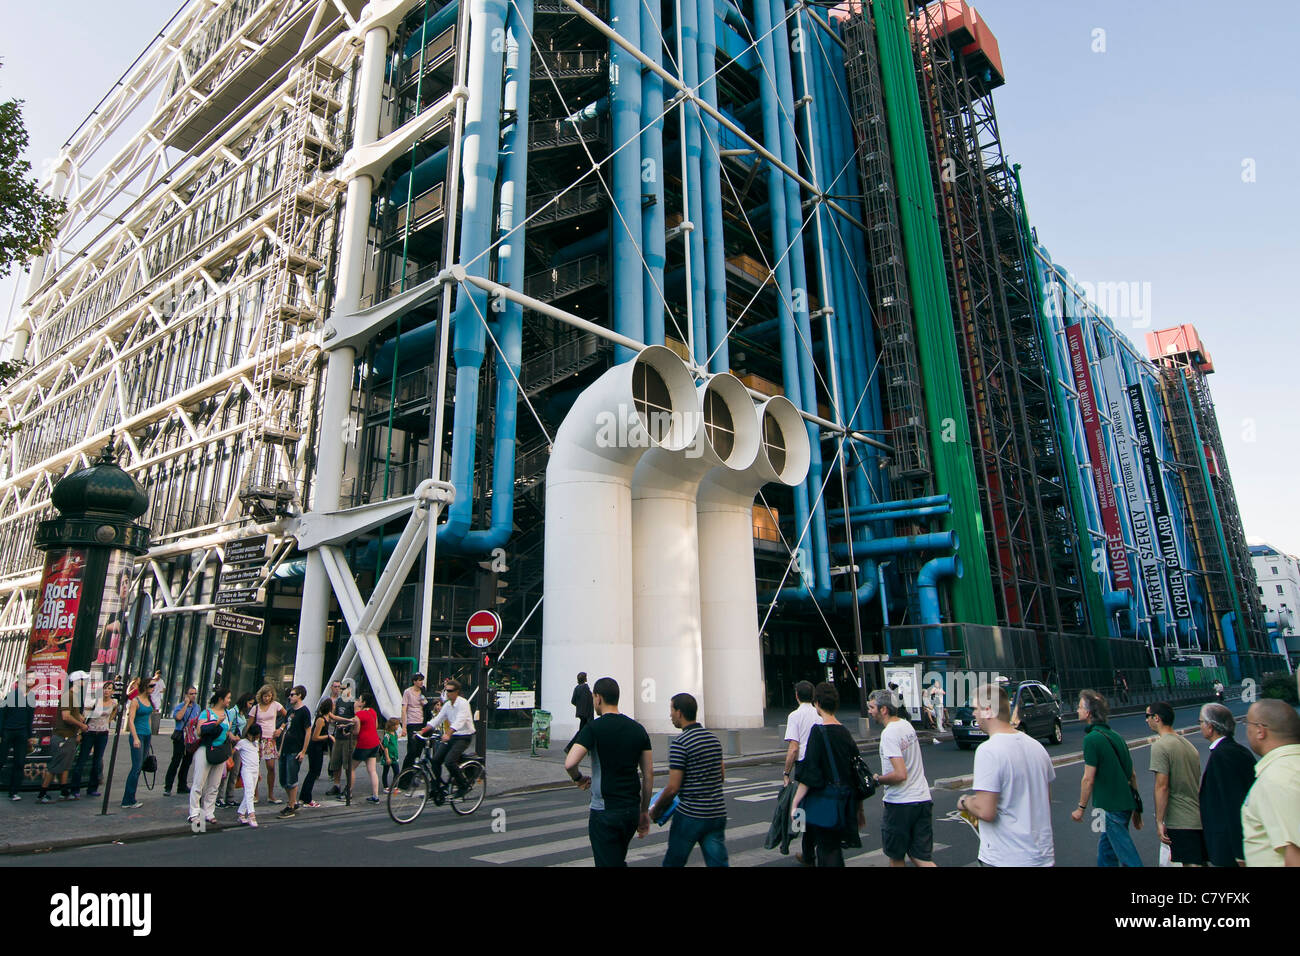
483, 628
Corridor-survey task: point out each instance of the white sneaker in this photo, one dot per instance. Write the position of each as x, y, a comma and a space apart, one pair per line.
252, 822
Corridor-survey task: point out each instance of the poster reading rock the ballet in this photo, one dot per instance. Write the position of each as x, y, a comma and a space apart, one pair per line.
53, 621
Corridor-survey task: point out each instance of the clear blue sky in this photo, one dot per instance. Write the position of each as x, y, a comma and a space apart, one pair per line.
1132, 168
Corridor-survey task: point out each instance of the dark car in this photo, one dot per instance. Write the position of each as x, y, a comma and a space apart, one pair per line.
1035, 710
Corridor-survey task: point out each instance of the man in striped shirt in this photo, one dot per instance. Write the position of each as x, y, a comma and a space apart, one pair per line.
695, 775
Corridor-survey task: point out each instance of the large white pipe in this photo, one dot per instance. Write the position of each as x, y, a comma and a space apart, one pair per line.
665, 558
731, 652
587, 613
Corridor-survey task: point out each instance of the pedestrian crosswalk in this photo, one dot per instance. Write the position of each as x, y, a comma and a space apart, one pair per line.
550, 829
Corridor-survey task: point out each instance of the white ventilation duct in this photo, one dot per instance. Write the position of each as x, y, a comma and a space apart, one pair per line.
665, 559
587, 612
731, 653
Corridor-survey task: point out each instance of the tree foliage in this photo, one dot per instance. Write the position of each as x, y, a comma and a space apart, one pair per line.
29, 219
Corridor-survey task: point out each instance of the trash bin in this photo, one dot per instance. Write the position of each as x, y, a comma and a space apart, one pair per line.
541, 731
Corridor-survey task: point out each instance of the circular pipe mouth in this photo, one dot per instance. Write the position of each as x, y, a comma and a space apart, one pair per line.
785, 440
730, 423
956, 566
664, 398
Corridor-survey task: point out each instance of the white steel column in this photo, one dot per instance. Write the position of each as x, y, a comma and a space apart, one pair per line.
310, 661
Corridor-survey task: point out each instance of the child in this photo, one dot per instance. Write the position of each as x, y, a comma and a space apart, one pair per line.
250, 768
388, 750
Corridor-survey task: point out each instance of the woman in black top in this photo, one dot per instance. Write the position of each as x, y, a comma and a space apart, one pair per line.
316, 747
831, 749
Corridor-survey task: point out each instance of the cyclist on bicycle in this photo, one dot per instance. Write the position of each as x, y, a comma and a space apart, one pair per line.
458, 734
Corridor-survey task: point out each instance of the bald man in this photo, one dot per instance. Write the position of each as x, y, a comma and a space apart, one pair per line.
1270, 817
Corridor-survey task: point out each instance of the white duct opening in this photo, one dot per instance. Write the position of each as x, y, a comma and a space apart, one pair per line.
587, 612
665, 558
731, 652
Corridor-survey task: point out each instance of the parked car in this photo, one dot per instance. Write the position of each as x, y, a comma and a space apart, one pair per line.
1035, 710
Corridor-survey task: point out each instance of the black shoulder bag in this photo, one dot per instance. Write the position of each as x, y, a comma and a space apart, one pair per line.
1137, 797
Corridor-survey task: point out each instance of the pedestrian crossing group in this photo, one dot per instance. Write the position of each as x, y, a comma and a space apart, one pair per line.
550, 829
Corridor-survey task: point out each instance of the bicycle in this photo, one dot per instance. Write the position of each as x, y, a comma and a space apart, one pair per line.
417, 785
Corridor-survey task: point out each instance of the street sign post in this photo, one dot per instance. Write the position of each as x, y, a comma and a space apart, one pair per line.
240, 623
235, 597
482, 629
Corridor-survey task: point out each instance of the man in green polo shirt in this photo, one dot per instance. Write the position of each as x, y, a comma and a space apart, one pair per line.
1108, 778
1177, 766
1270, 817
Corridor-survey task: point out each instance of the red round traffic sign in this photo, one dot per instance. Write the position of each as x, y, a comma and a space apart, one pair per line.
483, 628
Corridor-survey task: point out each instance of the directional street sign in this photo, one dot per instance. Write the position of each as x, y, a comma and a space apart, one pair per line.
246, 550
242, 623
483, 628
237, 596
237, 575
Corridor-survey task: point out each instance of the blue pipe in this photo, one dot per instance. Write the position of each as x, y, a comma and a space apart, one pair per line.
927, 592
510, 269
921, 502
904, 544
710, 188
799, 281
427, 173
587, 245
593, 109
790, 378
480, 146
653, 241
688, 60
907, 514
1121, 603
440, 21
732, 16
625, 221
1230, 643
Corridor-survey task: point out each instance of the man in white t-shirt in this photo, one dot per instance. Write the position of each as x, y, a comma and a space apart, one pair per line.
1012, 798
797, 728
907, 826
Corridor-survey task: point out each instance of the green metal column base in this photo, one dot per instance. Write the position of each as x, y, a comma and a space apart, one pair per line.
950, 440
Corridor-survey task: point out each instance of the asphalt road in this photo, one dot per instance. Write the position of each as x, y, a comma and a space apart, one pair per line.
549, 828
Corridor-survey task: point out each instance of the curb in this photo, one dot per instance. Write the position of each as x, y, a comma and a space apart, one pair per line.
150, 832
965, 782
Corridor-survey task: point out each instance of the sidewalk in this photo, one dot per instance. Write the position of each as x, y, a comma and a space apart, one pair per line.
28, 827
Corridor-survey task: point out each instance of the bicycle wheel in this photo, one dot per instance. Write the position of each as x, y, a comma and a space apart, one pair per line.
473, 798
409, 794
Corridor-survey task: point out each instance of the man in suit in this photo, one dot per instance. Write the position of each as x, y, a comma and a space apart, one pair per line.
581, 701
1228, 776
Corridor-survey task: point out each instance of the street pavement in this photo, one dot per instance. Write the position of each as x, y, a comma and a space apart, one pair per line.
548, 828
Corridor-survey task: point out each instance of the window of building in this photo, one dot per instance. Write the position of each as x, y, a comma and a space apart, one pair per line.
1275, 570
1279, 589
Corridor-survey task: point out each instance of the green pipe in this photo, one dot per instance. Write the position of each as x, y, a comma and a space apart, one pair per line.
954, 469
1097, 617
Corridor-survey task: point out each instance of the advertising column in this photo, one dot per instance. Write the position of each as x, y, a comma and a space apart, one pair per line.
79, 621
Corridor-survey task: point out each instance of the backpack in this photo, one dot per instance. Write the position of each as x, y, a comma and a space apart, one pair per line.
195, 737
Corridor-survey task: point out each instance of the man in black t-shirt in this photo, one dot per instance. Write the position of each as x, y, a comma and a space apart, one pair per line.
293, 748
343, 721
620, 802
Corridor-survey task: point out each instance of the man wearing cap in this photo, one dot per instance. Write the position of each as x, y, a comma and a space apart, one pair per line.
68, 725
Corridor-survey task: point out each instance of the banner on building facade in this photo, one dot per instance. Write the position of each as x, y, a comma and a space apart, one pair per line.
1117, 556
1139, 517
1165, 539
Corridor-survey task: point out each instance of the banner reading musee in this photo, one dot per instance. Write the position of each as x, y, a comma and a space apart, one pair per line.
1116, 555
1165, 538
53, 620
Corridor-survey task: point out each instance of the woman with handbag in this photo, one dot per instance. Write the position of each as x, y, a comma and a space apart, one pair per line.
137, 721
827, 792
218, 743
